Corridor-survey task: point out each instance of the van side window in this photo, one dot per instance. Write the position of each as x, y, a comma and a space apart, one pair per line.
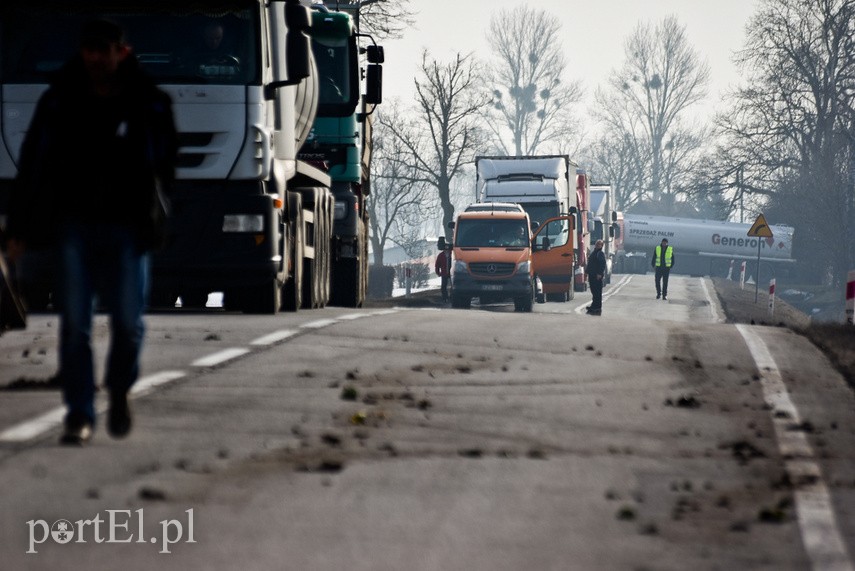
558, 232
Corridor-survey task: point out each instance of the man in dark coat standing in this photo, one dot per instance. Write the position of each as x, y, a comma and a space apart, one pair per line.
100, 147
596, 270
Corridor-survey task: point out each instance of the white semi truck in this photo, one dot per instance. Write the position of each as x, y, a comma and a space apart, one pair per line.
605, 223
546, 186
705, 247
248, 218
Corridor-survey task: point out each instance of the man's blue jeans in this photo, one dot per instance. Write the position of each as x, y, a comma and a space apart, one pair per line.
99, 264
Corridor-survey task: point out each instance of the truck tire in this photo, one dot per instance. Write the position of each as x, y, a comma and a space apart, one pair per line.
350, 275
265, 299
292, 291
316, 269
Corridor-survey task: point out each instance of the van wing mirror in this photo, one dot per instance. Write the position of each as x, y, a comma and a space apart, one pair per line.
440, 243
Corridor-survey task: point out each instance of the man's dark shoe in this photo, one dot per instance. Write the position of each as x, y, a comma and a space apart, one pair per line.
119, 415
78, 431
664, 298
658, 295
595, 312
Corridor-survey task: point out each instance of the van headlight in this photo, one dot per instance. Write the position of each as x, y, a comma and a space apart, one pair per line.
524, 267
459, 266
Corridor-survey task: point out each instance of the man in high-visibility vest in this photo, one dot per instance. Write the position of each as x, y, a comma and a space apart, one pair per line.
662, 262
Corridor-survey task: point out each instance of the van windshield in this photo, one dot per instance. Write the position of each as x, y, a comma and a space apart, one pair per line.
492, 233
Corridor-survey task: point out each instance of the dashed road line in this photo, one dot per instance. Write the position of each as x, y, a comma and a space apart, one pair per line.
613, 290
53, 418
318, 323
820, 535
31, 428
274, 337
220, 357
34, 427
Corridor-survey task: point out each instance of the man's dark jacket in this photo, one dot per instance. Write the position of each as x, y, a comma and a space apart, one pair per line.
596, 264
88, 159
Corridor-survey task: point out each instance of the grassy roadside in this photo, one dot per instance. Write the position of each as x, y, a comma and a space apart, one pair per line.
836, 340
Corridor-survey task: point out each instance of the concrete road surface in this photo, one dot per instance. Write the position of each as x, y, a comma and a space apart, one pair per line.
653, 437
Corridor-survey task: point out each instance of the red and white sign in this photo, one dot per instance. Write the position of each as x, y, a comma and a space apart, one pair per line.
742, 275
772, 296
850, 297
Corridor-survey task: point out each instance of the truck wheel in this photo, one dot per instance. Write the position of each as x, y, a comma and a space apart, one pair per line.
292, 291
263, 299
350, 276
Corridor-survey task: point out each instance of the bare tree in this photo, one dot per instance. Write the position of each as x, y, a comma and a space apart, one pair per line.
791, 131
399, 201
446, 117
647, 98
381, 18
614, 159
531, 103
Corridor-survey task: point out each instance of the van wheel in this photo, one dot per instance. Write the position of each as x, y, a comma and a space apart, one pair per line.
461, 302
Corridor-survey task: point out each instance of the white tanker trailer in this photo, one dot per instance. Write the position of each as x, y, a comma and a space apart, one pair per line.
704, 247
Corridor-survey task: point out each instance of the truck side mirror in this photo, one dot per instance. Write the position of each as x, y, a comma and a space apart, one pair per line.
616, 230
451, 225
440, 243
375, 54
374, 84
297, 42
612, 231
614, 216
545, 244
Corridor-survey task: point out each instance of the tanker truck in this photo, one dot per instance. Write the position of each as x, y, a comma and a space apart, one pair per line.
706, 247
247, 217
542, 186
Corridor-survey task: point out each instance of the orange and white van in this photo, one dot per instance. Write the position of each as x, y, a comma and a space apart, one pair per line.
495, 257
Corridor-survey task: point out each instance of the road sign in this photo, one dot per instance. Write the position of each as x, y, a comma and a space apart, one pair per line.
760, 229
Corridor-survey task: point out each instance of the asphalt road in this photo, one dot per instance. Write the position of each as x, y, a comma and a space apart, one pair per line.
652, 437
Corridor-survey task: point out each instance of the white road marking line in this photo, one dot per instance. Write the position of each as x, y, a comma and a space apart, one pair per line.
351, 316
384, 312
33, 427
713, 305
274, 337
317, 324
219, 357
820, 534
613, 290
29, 429
150, 382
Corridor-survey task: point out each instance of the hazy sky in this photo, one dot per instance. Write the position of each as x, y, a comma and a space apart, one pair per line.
594, 32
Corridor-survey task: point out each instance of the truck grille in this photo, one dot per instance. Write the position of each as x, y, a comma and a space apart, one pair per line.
491, 269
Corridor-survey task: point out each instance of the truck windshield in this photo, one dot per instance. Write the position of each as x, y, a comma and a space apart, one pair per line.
336, 73
176, 42
492, 233
539, 213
